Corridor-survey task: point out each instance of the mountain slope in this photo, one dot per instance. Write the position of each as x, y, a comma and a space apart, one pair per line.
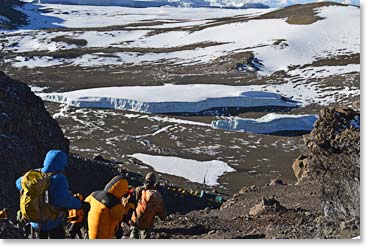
158, 3
10, 16
27, 133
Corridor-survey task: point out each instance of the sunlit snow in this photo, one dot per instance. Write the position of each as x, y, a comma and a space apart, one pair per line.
205, 172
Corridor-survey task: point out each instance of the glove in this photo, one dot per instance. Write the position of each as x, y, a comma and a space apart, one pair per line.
78, 196
75, 216
125, 201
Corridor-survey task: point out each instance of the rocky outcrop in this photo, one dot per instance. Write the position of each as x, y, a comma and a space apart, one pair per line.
27, 132
267, 205
334, 160
12, 18
300, 167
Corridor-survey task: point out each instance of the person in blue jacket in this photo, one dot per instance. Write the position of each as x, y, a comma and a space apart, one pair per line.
59, 194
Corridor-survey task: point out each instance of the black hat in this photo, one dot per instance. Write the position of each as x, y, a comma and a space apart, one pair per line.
150, 178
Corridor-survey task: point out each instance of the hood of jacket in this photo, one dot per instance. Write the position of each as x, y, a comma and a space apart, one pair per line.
55, 161
118, 186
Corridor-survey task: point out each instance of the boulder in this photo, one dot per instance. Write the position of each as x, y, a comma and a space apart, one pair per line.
300, 167
333, 151
276, 182
267, 205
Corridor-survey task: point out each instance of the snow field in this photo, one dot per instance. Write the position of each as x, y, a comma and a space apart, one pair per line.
337, 34
205, 172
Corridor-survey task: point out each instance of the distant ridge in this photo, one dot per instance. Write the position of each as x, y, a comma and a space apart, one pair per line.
159, 3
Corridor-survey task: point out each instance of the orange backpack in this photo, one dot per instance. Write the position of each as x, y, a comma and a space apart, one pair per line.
148, 206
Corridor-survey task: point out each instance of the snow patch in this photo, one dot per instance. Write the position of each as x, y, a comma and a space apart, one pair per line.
337, 34
33, 62
178, 121
37, 89
269, 123
79, 16
324, 71
158, 3
205, 172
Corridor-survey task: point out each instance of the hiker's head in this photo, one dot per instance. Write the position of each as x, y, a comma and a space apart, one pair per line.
118, 186
55, 161
150, 179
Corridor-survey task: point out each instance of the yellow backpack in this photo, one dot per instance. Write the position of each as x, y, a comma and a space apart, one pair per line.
34, 199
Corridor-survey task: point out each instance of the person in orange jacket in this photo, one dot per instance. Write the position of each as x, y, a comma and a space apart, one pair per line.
149, 205
107, 208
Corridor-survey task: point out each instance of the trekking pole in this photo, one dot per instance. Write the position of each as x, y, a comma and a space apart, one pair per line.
32, 232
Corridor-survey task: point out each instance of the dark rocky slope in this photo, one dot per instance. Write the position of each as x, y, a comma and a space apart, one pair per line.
334, 157
15, 18
324, 203
27, 132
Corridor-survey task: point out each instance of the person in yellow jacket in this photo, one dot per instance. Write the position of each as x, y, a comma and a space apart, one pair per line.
107, 208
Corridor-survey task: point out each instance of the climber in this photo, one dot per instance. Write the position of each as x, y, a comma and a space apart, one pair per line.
107, 208
57, 196
77, 220
149, 204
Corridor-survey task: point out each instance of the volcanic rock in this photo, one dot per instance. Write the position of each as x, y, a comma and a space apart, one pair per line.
334, 160
267, 205
300, 167
27, 133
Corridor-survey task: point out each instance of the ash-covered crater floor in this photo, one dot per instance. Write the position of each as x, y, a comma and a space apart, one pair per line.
309, 53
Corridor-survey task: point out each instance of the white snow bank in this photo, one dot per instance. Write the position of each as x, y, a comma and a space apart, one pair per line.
75, 16
169, 98
205, 172
335, 35
269, 123
36, 89
158, 3
324, 71
194, 3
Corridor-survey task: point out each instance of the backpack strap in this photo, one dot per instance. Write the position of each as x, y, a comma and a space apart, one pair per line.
139, 192
106, 198
49, 174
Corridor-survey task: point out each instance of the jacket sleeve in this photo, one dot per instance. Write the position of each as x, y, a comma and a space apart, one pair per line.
18, 183
61, 195
162, 210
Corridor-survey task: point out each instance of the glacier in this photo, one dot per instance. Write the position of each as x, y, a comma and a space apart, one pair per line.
268, 124
170, 98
